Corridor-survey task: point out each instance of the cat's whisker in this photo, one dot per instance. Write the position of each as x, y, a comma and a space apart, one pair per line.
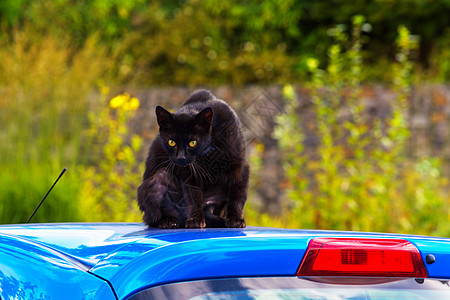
199, 170
194, 172
203, 172
162, 165
205, 169
171, 167
190, 170
168, 167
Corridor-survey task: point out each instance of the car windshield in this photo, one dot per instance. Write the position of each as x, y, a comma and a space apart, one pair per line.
300, 288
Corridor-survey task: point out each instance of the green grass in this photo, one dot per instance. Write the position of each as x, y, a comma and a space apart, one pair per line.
23, 186
46, 90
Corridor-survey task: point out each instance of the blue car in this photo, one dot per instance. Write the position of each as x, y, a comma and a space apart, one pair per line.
131, 261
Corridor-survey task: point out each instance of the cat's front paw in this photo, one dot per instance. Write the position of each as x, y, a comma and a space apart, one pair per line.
195, 223
168, 223
235, 223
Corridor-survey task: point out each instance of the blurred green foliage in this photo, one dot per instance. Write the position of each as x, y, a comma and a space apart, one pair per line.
109, 182
23, 186
358, 178
58, 57
45, 92
194, 42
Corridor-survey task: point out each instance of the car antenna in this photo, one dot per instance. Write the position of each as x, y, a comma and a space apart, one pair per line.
42, 201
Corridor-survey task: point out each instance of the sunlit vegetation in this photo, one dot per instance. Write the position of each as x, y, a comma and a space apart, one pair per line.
64, 67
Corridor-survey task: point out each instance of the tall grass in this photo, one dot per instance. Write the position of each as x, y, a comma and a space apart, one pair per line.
358, 177
47, 92
110, 180
45, 85
22, 190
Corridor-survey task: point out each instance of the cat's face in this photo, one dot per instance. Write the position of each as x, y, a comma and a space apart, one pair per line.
186, 135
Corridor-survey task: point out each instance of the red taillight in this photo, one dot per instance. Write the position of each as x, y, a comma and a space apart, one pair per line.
362, 257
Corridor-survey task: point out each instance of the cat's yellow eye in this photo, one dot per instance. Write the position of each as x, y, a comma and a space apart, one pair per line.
193, 143
171, 143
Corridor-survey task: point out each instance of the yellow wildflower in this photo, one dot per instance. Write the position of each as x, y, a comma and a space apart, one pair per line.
312, 64
121, 156
259, 147
119, 100
131, 104
288, 91
134, 103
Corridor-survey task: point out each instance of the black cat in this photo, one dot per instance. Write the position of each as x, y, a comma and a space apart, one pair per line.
196, 171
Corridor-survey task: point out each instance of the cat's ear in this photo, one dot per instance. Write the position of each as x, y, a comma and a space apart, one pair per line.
164, 118
203, 120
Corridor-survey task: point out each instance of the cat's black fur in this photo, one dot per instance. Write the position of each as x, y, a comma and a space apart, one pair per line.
201, 186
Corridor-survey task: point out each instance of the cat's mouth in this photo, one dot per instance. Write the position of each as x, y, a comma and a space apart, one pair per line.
182, 162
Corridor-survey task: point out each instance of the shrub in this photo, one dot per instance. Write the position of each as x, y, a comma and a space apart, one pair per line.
109, 183
358, 177
23, 186
45, 88
240, 42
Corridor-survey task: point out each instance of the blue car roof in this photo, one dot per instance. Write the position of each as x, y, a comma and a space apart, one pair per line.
131, 256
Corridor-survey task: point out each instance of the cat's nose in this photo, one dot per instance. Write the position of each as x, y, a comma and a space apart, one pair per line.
182, 161
181, 155
181, 158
